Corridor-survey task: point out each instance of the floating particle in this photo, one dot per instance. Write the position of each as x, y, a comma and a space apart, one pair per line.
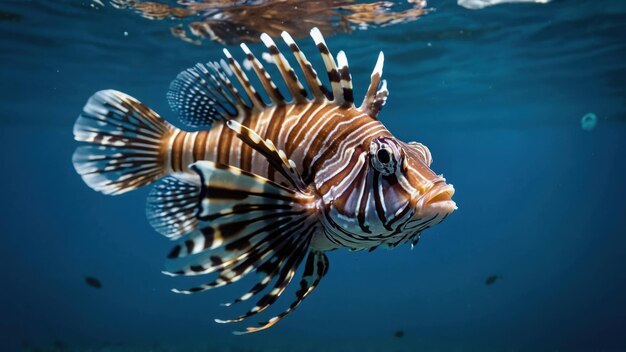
267, 58
125, 34
481, 4
492, 279
93, 282
589, 121
247, 64
398, 334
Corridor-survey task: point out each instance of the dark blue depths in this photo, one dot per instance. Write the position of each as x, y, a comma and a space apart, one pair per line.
498, 96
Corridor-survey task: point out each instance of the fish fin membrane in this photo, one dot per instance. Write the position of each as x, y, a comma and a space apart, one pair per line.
203, 95
125, 143
171, 207
377, 93
249, 224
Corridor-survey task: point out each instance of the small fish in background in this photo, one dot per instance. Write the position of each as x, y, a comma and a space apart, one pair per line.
490, 280
93, 282
481, 4
398, 334
232, 22
589, 121
264, 185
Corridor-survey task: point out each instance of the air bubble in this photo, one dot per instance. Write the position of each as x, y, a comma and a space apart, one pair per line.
589, 121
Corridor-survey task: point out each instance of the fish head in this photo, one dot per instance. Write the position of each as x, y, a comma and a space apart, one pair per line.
412, 196
385, 193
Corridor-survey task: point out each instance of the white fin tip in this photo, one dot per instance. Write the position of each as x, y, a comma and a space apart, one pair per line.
342, 60
317, 36
245, 48
267, 40
379, 64
287, 38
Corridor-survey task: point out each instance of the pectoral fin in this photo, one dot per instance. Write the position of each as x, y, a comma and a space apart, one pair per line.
248, 223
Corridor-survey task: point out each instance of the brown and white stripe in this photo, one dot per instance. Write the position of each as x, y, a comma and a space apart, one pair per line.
262, 186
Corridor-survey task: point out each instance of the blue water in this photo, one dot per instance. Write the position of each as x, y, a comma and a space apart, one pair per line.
496, 94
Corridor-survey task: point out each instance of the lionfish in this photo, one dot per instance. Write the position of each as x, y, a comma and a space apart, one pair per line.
264, 186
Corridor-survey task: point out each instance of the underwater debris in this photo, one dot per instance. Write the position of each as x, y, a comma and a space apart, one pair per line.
93, 282
490, 280
398, 334
481, 4
589, 121
10, 16
231, 22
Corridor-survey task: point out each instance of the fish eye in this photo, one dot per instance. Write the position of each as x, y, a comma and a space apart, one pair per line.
383, 155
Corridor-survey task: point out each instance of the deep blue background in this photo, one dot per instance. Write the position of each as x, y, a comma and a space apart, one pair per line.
496, 94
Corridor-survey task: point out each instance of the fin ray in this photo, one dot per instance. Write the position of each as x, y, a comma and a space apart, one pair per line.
314, 270
318, 90
296, 88
264, 77
376, 95
287, 272
171, 207
235, 68
202, 95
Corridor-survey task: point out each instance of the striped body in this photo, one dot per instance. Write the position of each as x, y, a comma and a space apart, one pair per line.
307, 133
320, 138
329, 147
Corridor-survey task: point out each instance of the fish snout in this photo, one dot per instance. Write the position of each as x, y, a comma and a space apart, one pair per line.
438, 200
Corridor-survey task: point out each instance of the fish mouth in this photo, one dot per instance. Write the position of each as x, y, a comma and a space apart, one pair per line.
438, 200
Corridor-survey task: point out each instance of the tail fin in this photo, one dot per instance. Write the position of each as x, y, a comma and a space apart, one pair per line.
126, 147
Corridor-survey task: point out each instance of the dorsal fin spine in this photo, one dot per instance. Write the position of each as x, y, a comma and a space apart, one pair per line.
346, 79
370, 105
381, 97
296, 89
245, 83
319, 92
242, 106
331, 67
266, 81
